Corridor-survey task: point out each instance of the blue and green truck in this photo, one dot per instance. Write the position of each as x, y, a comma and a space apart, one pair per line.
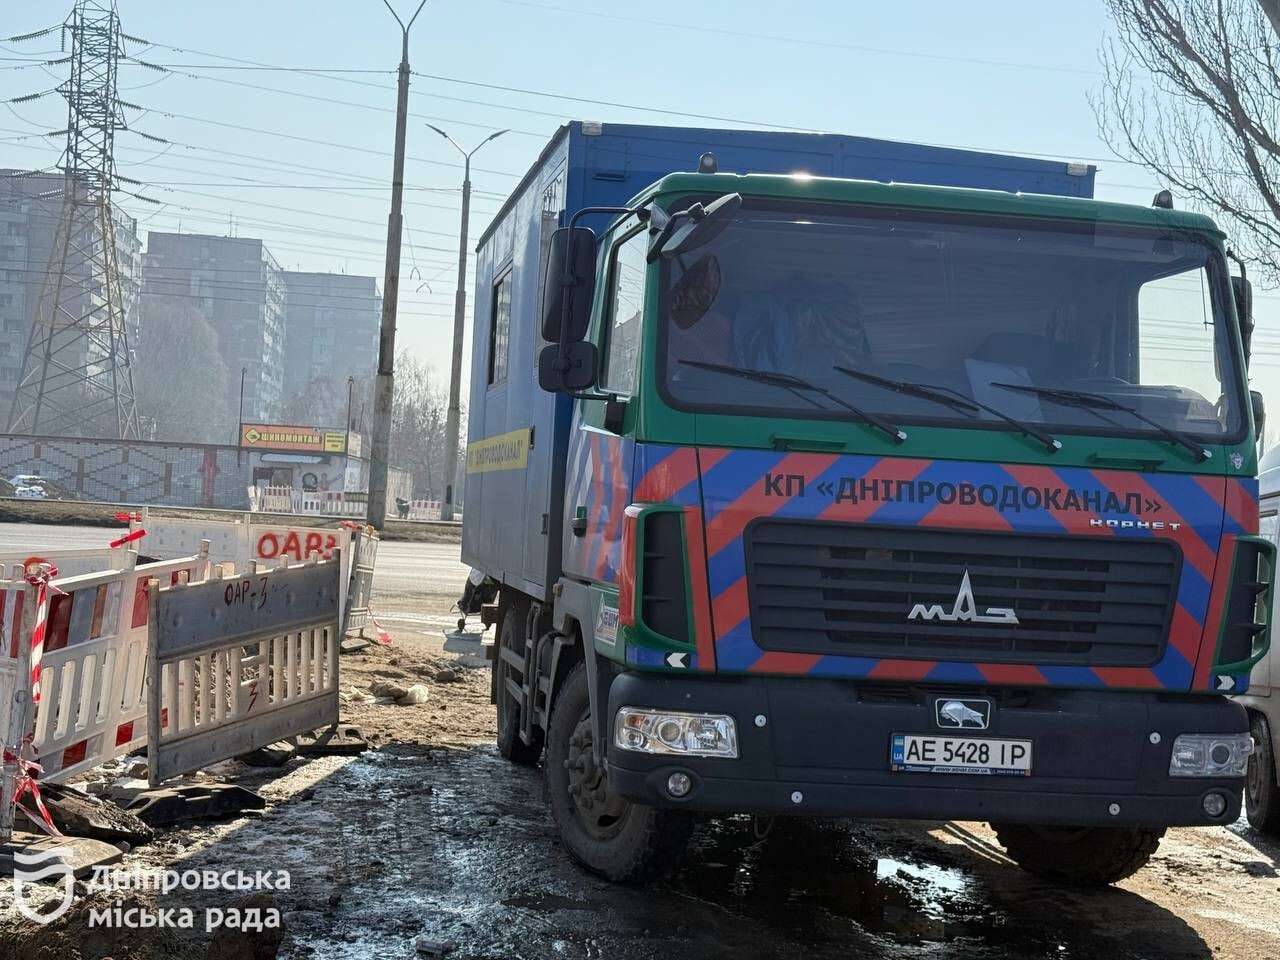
820, 475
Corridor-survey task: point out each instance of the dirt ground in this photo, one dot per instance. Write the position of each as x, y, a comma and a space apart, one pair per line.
430, 844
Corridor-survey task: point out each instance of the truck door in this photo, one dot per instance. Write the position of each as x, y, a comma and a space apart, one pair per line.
599, 477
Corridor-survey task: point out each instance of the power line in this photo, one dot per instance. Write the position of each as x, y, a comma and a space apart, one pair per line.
675, 113
259, 88
316, 141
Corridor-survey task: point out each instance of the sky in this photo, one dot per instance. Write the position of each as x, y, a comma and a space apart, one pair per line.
268, 153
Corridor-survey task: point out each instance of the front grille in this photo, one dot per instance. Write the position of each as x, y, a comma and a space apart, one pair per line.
829, 588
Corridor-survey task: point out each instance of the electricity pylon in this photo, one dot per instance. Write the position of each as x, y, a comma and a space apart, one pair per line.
76, 378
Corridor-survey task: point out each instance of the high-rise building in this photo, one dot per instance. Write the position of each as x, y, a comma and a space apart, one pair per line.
237, 286
30, 204
331, 332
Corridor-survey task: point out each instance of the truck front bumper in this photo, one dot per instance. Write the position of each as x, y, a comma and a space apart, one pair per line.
821, 747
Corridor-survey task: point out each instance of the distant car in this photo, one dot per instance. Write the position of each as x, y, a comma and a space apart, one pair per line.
32, 486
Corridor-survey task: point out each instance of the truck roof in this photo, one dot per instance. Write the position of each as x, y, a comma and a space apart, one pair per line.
603, 164
872, 192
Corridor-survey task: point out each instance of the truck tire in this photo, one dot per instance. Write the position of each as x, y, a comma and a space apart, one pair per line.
1261, 795
511, 637
619, 840
1085, 856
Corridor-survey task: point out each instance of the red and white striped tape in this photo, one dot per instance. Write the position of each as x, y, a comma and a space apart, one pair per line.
28, 773
40, 578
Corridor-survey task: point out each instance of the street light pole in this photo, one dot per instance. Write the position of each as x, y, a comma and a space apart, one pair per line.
459, 326
384, 385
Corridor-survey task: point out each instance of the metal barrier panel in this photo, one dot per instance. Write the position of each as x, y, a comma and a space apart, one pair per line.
241, 662
93, 673
359, 599
17, 601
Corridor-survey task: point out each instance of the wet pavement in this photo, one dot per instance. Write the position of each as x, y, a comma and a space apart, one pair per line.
455, 846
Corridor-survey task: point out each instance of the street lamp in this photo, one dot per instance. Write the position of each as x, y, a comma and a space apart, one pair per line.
459, 320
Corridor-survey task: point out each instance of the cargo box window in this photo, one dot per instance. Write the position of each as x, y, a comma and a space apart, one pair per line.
626, 306
500, 329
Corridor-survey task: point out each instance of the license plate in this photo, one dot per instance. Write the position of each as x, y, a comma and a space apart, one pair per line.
915, 753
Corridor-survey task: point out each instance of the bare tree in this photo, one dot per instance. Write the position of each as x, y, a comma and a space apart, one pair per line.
321, 402
418, 416
1190, 90
180, 379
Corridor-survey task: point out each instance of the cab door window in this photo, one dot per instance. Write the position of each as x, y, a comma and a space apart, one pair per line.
624, 313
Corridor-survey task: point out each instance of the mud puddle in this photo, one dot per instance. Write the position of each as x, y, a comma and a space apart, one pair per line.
455, 846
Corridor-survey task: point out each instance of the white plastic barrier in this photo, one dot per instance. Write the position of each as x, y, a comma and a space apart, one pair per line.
71, 563
171, 537
241, 543
329, 504
424, 509
315, 503
271, 499
93, 672
241, 662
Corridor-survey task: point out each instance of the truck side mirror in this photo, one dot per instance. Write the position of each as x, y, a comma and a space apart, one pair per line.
1259, 414
1242, 290
695, 227
568, 285
566, 367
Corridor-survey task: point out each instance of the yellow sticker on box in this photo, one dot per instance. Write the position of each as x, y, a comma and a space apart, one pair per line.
506, 451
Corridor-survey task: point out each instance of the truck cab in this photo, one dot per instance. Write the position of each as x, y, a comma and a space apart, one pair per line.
888, 500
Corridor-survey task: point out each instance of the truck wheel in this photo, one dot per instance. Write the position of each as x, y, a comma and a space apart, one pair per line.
1261, 796
1087, 856
511, 637
620, 840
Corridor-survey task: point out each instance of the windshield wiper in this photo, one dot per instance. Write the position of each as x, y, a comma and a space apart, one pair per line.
795, 385
1096, 401
954, 399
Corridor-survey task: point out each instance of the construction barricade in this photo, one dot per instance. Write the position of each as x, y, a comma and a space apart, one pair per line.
240, 662
242, 543
17, 604
68, 563
357, 606
93, 667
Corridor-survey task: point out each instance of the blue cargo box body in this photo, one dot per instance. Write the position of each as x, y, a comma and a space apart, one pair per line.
517, 434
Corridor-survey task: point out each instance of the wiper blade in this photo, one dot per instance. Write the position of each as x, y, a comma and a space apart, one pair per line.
1096, 401
956, 400
796, 385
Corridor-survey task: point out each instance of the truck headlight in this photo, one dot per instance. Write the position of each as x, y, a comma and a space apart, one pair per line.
1210, 755
669, 731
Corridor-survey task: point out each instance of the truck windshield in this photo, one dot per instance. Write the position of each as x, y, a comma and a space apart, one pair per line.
964, 304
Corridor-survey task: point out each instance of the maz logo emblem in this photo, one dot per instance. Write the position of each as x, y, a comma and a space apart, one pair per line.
975, 714
964, 610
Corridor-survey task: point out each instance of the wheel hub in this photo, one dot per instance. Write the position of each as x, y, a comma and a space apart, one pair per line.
601, 811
